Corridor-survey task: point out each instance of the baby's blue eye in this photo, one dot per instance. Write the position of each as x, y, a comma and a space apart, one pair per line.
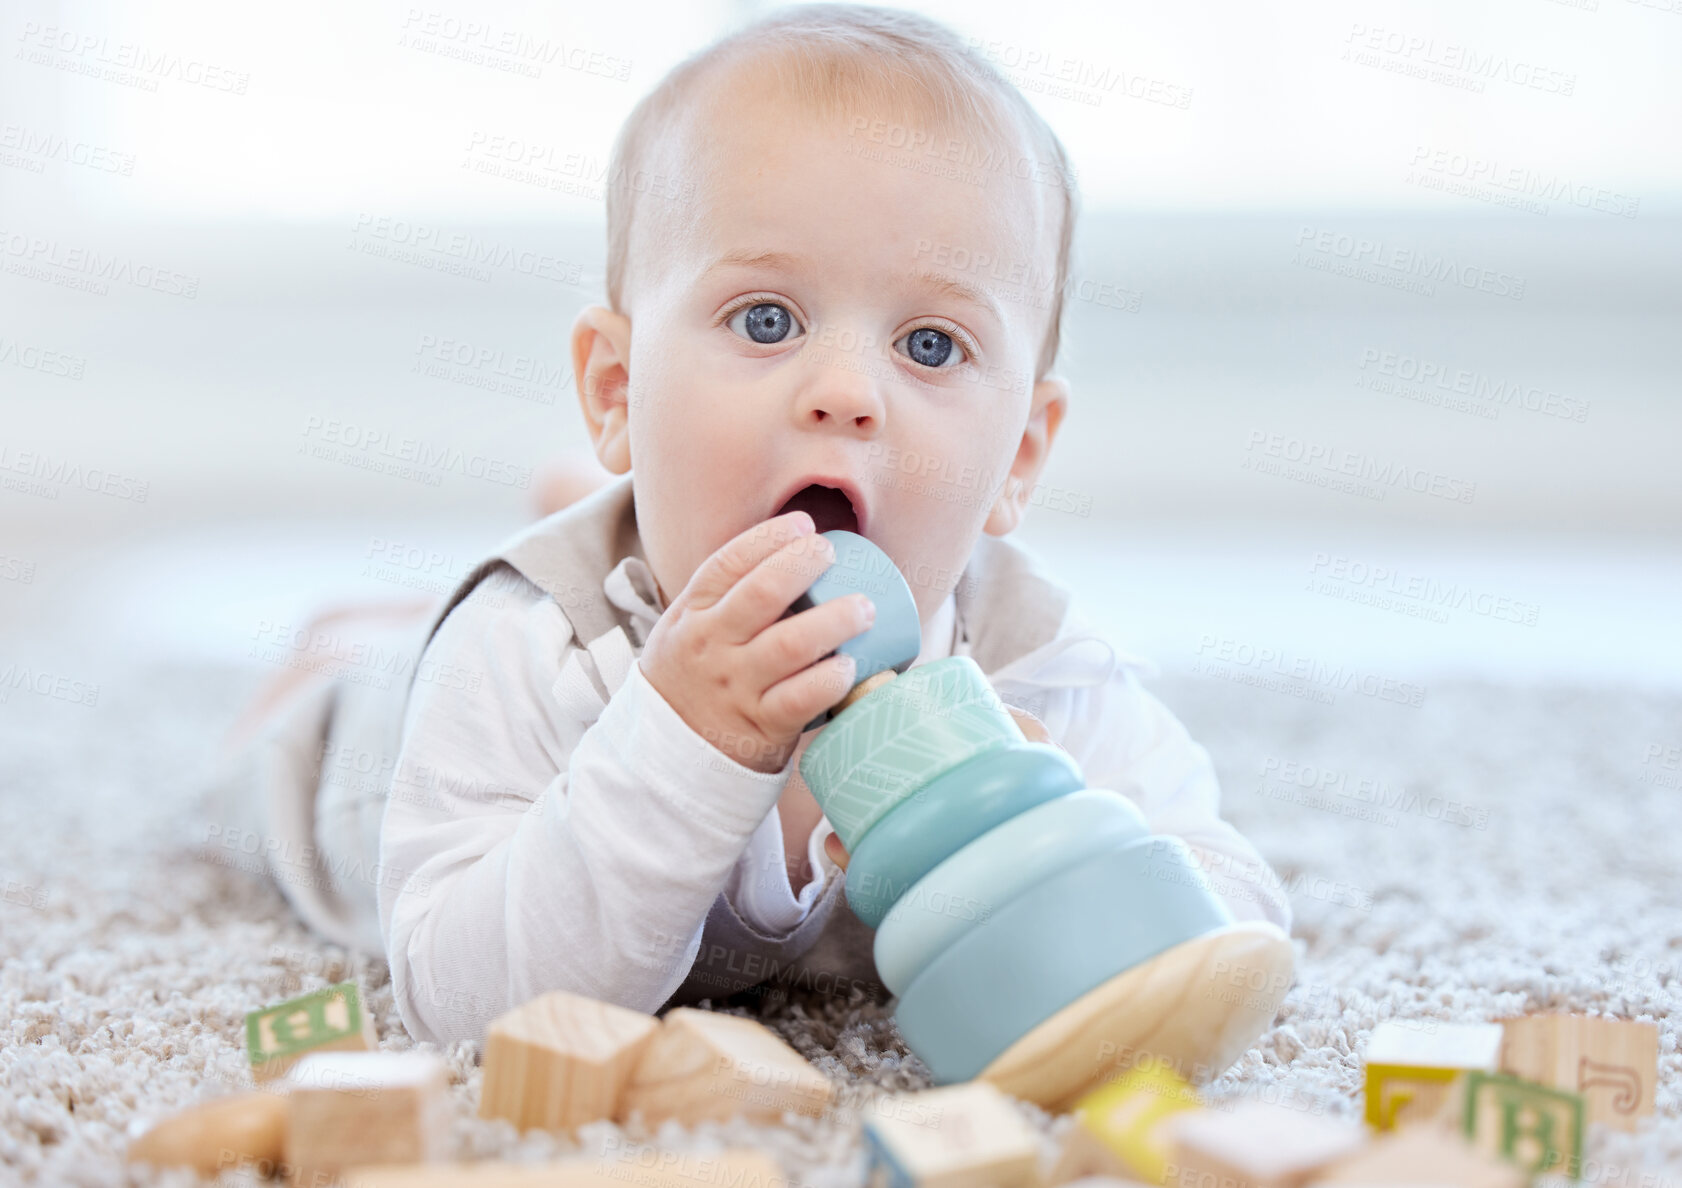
766, 322
931, 348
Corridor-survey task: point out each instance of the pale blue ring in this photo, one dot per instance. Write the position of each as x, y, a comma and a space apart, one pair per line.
1050, 945
966, 889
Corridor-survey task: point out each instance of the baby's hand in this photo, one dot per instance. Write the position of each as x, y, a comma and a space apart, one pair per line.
740, 675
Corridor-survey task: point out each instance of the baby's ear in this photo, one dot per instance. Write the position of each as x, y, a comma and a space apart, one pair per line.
601, 362
1045, 413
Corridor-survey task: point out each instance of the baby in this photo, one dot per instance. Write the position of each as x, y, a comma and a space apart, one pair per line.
837, 242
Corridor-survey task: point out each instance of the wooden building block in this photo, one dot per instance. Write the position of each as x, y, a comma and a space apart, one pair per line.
1120, 1127
248, 1128
1612, 1063
702, 1064
1255, 1145
1531, 1126
1422, 1156
1409, 1069
331, 1019
350, 1108
561, 1060
642, 1168
963, 1136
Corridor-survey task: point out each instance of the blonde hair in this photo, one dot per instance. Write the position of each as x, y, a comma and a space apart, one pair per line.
835, 58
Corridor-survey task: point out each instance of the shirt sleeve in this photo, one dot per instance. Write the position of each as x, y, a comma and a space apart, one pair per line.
1127, 741
524, 852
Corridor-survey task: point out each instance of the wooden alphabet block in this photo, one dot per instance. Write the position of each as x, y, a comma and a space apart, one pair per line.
621, 1168
561, 1060
702, 1064
331, 1019
1410, 1066
1256, 1145
248, 1128
1613, 1064
1421, 1157
963, 1136
1536, 1128
350, 1108
1120, 1127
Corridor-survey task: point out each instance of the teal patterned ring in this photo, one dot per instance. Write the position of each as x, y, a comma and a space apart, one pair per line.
953, 810
896, 739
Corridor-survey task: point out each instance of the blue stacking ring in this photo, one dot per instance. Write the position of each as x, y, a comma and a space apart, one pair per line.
1049, 946
995, 868
951, 811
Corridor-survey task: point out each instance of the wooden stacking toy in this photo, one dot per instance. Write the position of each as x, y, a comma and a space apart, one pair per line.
1038, 936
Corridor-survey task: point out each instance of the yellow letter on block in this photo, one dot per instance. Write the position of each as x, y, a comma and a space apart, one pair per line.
1410, 1066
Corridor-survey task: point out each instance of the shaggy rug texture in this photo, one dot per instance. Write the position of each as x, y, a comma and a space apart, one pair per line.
1492, 851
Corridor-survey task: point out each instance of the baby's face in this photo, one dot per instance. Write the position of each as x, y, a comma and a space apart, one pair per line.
801, 322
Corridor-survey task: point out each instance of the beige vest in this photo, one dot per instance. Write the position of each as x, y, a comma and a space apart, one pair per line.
1005, 609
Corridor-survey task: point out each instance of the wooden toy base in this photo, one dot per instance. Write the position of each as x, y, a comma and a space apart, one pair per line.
1197, 1006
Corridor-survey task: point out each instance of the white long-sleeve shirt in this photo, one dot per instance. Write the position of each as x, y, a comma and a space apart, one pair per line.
557, 825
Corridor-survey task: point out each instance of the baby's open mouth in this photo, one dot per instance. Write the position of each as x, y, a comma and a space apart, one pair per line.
829, 508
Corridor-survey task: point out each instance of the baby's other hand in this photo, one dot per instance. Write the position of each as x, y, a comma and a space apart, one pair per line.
1032, 728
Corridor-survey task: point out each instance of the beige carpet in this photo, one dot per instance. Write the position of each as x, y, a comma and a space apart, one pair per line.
1552, 883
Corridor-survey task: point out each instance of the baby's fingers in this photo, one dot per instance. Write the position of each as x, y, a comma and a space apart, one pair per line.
740, 556
836, 851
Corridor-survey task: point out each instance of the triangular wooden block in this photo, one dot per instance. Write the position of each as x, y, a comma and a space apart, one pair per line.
1613, 1064
702, 1064
561, 1060
1257, 1145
